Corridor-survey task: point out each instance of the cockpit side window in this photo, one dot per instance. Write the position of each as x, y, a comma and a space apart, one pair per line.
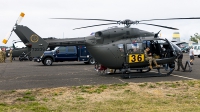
135, 47
120, 47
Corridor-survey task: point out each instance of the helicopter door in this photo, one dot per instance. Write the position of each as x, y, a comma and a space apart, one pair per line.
172, 50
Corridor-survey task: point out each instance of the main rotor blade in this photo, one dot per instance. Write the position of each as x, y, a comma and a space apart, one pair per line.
160, 26
87, 19
94, 25
21, 16
171, 19
5, 40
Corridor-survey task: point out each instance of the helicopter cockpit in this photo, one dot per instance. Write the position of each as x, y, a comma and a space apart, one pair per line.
160, 48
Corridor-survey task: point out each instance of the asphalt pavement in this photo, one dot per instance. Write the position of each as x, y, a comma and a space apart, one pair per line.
29, 74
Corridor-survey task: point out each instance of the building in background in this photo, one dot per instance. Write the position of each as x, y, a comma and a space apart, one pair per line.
176, 37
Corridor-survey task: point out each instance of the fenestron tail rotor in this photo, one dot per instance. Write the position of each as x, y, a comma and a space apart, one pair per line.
128, 22
21, 16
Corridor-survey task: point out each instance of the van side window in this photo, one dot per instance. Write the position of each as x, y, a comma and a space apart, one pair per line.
71, 49
195, 47
62, 49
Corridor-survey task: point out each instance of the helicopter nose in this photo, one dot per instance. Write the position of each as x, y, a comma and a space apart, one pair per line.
177, 50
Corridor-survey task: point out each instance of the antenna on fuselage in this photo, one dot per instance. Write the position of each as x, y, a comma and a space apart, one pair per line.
156, 35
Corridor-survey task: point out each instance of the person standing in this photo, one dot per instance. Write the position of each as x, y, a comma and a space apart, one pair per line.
4, 54
179, 62
1, 56
11, 58
191, 54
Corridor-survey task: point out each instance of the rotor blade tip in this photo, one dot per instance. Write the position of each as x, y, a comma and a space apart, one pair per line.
5, 41
22, 14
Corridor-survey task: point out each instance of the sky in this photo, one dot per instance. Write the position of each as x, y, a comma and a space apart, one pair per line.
38, 14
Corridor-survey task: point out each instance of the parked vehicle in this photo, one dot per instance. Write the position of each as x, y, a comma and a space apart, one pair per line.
197, 50
185, 49
66, 53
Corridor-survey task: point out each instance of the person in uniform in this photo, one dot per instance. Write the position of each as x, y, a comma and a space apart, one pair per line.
179, 62
11, 58
148, 57
4, 55
1, 56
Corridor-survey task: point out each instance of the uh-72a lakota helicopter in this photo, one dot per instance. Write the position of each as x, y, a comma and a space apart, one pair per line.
115, 48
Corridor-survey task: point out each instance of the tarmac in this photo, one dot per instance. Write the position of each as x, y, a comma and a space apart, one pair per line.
29, 75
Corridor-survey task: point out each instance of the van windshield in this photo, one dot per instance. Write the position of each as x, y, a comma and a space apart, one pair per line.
196, 47
55, 48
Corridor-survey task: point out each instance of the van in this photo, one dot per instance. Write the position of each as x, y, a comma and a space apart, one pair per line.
66, 53
196, 50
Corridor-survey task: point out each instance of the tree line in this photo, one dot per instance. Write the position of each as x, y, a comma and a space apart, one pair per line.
195, 37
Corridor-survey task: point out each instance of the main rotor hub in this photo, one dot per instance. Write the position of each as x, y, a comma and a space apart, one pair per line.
127, 22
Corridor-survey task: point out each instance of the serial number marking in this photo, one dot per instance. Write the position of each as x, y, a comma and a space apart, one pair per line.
38, 49
133, 58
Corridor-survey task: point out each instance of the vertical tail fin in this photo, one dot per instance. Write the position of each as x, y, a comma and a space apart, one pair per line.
31, 40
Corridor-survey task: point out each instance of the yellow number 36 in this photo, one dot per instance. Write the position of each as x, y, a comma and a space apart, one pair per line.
136, 58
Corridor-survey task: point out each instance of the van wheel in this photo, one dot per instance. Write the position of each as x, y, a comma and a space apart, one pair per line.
199, 56
48, 62
91, 61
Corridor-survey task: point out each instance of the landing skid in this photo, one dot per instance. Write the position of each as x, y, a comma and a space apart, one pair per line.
126, 75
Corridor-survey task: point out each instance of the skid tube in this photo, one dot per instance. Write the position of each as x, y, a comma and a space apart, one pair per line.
128, 74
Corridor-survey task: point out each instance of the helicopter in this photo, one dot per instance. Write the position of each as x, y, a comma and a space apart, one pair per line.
113, 47
18, 50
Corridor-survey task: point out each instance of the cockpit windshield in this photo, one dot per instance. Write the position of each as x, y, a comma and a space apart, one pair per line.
178, 49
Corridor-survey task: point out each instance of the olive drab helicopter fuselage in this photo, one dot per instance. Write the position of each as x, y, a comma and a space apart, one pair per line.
114, 47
